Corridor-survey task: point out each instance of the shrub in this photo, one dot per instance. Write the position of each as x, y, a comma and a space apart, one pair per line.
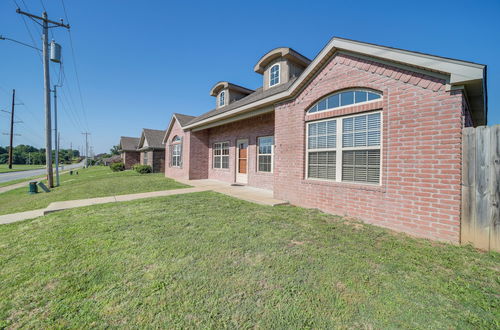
143, 169
117, 167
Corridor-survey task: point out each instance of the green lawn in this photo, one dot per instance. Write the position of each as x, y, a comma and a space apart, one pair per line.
95, 181
207, 260
15, 167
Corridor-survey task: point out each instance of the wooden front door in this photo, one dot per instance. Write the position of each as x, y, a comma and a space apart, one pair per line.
242, 161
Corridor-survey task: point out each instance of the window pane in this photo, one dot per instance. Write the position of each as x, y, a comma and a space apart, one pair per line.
374, 121
321, 142
217, 162
322, 165
360, 139
348, 140
360, 96
322, 105
361, 166
343, 99
374, 138
334, 101
313, 129
225, 161
346, 98
348, 125
312, 144
360, 123
373, 96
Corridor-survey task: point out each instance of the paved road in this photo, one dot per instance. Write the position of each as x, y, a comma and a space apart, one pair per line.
10, 176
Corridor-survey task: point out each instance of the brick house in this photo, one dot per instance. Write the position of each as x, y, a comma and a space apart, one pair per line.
361, 130
151, 149
128, 151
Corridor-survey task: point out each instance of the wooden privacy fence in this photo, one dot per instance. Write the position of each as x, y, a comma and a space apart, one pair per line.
480, 221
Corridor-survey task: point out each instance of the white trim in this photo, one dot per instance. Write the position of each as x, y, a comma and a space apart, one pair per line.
241, 177
339, 92
271, 154
221, 94
459, 71
221, 155
339, 149
279, 74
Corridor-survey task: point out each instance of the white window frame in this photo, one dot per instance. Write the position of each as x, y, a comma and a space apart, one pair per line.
279, 74
222, 97
271, 154
145, 158
221, 155
339, 149
176, 154
347, 105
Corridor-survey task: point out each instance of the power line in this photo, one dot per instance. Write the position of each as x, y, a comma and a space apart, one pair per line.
75, 68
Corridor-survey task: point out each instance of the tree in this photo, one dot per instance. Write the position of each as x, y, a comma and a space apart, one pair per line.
115, 150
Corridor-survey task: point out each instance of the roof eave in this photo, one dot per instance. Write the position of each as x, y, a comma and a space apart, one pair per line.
460, 72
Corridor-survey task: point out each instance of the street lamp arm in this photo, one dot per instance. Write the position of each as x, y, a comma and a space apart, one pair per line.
19, 42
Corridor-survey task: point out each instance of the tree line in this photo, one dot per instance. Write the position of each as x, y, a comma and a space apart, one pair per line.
26, 154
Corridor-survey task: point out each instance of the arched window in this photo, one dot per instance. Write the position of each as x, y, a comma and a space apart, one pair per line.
222, 98
344, 98
274, 75
176, 152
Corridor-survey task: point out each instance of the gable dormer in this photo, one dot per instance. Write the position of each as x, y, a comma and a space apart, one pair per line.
226, 93
280, 65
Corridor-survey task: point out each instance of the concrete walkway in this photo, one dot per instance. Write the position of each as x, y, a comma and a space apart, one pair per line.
250, 194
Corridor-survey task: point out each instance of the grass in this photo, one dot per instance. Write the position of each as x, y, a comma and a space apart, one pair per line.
16, 168
98, 181
211, 261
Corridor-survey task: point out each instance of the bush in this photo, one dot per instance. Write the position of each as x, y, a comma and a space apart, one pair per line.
143, 169
117, 167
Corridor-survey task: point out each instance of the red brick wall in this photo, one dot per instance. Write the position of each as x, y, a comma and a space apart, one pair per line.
421, 150
130, 158
250, 129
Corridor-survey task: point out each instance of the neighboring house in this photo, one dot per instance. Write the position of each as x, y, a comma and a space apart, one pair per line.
152, 149
113, 159
362, 130
128, 151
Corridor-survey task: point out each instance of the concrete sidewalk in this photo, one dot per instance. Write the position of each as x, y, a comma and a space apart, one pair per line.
250, 194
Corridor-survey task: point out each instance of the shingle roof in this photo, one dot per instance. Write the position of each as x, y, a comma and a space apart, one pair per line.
259, 94
183, 119
154, 138
128, 143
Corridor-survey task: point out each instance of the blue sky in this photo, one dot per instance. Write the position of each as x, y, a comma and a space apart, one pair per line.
139, 61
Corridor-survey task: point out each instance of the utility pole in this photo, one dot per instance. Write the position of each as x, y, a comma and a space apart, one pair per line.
56, 136
12, 122
86, 149
46, 76
12, 127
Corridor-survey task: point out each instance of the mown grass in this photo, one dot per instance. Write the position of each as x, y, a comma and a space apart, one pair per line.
16, 168
98, 181
211, 261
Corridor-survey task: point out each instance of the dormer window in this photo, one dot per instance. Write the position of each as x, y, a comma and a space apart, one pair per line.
274, 75
222, 98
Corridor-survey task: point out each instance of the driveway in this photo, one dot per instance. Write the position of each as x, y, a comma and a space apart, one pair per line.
10, 176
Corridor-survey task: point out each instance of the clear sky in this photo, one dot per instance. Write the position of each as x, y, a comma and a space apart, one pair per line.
139, 61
